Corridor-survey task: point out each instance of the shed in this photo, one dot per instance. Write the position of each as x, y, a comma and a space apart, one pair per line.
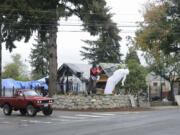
73, 77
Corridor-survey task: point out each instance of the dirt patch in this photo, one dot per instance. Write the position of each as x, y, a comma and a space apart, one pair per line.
122, 109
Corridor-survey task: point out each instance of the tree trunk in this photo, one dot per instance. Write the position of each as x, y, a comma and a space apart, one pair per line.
53, 62
0, 62
0, 67
137, 92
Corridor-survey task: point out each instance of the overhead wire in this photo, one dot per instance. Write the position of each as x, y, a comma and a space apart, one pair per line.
69, 20
99, 23
54, 11
70, 24
67, 31
78, 25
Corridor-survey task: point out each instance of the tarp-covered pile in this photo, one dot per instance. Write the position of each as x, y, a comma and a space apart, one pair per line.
10, 84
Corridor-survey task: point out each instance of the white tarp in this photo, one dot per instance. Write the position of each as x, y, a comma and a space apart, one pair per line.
117, 76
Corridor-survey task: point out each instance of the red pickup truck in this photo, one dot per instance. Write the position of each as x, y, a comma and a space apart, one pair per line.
27, 102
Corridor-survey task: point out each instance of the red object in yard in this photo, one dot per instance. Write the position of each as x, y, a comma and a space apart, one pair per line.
94, 71
98, 71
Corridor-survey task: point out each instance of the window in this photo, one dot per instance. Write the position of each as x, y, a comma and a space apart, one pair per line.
30, 93
155, 84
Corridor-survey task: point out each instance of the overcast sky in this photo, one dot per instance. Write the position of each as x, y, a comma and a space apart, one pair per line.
126, 12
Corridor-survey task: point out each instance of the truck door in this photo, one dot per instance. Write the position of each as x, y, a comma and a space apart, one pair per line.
20, 103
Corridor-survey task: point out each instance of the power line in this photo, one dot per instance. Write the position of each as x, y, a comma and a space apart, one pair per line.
67, 31
68, 20
54, 11
81, 31
49, 20
75, 25
66, 23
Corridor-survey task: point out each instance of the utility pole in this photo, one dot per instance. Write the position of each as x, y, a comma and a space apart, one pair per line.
161, 90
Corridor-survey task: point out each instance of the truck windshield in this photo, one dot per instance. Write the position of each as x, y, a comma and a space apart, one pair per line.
30, 93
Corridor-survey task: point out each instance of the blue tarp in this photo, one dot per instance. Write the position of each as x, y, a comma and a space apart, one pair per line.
10, 83
25, 85
42, 81
35, 84
45, 86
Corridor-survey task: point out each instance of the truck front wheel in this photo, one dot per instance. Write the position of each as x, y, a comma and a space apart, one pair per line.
31, 110
47, 111
7, 109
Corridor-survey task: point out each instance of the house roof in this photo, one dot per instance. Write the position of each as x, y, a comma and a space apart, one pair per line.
84, 69
109, 68
76, 69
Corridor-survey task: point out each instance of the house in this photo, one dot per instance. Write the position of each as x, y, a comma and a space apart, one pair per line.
75, 77
156, 83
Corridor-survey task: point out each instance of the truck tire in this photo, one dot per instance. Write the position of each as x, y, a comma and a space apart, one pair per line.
7, 109
23, 111
31, 110
47, 111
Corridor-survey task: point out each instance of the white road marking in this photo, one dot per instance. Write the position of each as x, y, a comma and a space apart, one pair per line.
86, 115
24, 125
71, 117
24, 120
61, 120
43, 122
128, 113
104, 114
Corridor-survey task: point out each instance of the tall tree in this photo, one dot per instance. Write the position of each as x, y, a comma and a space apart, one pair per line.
136, 80
40, 59
43, 16
159, 30
173, 18
9, 20
159, 37
107, 47
16, 70
10, 71
132, 55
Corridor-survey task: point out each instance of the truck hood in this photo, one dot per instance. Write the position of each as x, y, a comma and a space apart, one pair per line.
38, 98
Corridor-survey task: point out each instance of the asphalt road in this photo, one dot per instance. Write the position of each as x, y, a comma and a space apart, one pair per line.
164, 122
